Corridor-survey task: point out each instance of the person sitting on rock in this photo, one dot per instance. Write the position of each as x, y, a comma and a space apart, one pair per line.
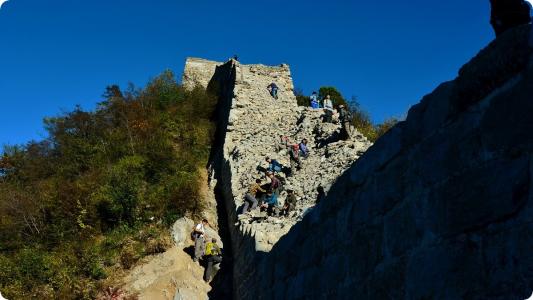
506, 14
250, 197
304, 150
294, 157
273, 89
314, 100
213, 256
290, 203
273, 165
328, 110
271, 204
199, 239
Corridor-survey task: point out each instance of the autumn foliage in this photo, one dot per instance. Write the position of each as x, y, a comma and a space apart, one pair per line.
102, 184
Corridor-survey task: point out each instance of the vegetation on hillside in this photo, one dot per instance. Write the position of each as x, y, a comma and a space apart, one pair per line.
98, 194
360, 118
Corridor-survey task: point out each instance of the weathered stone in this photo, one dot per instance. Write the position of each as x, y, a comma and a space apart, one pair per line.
440, 207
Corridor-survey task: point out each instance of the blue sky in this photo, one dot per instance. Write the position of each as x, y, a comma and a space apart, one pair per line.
56, 54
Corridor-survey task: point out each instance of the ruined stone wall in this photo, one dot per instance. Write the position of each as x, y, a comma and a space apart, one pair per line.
440, 208
249, 123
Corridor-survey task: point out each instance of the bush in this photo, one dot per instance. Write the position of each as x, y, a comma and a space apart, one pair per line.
99, 178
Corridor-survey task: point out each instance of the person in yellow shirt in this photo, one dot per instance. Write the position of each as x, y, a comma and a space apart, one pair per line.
213, 255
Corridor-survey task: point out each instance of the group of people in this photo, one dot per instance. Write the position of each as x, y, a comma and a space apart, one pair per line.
345, 115
265, 196
210, 252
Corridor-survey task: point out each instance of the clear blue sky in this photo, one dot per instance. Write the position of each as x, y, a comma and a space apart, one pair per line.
56, 54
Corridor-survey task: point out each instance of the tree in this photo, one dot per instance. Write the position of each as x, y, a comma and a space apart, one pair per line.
336, 96
301, 99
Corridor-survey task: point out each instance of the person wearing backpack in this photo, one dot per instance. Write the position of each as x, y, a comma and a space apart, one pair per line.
294, 157
213, 256
250, 197
199, 239
345, 117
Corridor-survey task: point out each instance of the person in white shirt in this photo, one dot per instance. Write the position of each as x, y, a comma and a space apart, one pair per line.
328, 109
199, 239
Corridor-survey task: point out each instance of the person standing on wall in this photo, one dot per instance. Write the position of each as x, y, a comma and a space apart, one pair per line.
199, 239
328, 110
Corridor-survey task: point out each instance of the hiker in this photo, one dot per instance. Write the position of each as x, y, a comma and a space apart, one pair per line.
199, 239
273, 165
275, 184
304, 150
213, 256
251, 196
273, 89
283, 142
506, 14
345, 117
294, 157
328, 110
314, 100
290, 203
271, 204
321, 194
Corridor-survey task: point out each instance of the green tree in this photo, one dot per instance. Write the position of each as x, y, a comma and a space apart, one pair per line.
336, 96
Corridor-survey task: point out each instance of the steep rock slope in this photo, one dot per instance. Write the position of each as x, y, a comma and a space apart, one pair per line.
441, 207
250, 125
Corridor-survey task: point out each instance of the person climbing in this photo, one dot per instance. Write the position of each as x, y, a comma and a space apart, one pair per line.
275, 184
290, 203
199, 239
506, 14
273, 89
328, 110
314, 100
283, 143
294, 157
345, 117
321, 194
304, 150
250, 196
271, 204
273, 165
213, 256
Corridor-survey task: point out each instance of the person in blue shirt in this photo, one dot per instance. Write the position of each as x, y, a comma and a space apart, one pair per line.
271, 203
314, 100
274, 165
304, 151
273, 88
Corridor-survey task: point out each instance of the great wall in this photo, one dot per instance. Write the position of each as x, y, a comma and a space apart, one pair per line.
441, 207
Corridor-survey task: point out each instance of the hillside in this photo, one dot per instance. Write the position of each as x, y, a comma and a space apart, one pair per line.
81, 208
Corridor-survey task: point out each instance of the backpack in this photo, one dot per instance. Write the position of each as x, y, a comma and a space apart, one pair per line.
295, 150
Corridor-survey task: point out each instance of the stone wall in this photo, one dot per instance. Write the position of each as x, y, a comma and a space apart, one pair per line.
441, 207
249, 123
